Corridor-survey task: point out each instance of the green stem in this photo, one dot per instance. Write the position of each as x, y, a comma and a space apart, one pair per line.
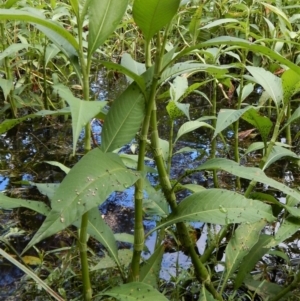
288, 128
170, 147
87, 289
214, 123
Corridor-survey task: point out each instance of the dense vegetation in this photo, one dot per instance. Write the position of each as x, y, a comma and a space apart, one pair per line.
220, 51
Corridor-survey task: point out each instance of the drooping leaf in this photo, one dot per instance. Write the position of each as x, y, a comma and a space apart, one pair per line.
277, 153
99, 230
290, 84
190, 126
250, 173
123, 119
270, 82
85, 187
178, 87
10, 203
149, 272
104, 17
6, 86
240, 244
173, 111
218, 206
82, 111
151, 16
262, 123
253, 256
226, 117
205, 295
64, 168
254, 147
12, 49
135, 291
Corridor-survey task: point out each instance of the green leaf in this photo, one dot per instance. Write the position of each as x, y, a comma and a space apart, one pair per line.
60, 165
178, 87
226, 117
247, 90
191, 126
173, 111
10, 203
151, 16
124, 237
130, 161
7, 124
219, 22
123, 119
205, 295
250, 173
290, 84
104, 17
47, 189
193, 187
240, 244
51, 51
262, 123
135, 291
82, 111
149, 271
85, 187
6, 86
277, 153
270, 82
12, 49
250, 260
294, 117
218, 206
99, 230
195, 23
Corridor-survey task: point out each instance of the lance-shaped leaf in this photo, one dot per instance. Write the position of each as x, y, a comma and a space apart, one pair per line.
226, 117
218, 206
123, 119
10, 203
262, 123
240, 244
135, 291
205, 295
82, 111
86, 186
104, 17
250, 173
151, 16
150, 270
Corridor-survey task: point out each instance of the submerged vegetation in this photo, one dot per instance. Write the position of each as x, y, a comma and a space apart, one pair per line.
238, 58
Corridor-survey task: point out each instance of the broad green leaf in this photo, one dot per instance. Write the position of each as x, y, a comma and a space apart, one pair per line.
135, 291
10, 203
107, 262
164, 147
124, 237
277, 153
240, 244
254, 147
290, 84
133, 66
250, 260
205, 295
270, 82
219, 22
250, 173
123, 119
178, 87
218, 206
51, 51
10, 3
30, 17
280, 254
130, 161
226, 117
190, 126
246, 91
185, 150
47, 189
195, 23
151, 16
193, 187
60, 165
99, 230
262, 123
85, 187
173, 111
294, 117
104, 17
12, 49
149, 271
6, 86
82, 111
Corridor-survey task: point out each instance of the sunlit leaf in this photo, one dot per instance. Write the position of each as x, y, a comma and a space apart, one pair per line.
104, 17
151, 16
135, 291
85, 187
